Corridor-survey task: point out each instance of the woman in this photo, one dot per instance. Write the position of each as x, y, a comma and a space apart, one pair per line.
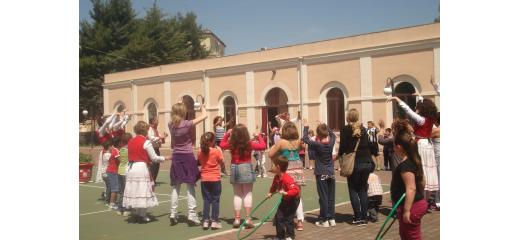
363, 165
289, 146
424, 118
139, 195
408, 177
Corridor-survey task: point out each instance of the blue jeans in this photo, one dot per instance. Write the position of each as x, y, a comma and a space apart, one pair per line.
211, 195
358, 190
327, 193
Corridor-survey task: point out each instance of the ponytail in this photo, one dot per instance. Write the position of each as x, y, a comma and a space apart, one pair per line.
205, 140
409, 144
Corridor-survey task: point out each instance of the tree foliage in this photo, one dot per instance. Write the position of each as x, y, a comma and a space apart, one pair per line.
116, 40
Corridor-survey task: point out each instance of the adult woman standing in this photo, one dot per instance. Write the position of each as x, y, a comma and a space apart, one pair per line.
363, 165
423, 119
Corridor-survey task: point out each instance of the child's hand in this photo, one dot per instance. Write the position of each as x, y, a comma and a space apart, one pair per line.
305, 123
282, 192
269, 195
167, 158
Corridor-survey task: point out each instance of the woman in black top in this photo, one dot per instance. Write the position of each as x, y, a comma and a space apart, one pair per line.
408, 177
363, 165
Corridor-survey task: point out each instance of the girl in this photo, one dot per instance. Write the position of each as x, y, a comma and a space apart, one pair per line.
104, 157
324, 172
436, 139
310, 150
242, 173
111, 171
139, 195
103, 134
260, 158
408, 178
211, 160
289, 146
157, 140
424, 118
220, 129
350, 136
184, 165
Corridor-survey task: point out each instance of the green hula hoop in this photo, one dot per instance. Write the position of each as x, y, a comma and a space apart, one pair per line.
391, 215
263, 220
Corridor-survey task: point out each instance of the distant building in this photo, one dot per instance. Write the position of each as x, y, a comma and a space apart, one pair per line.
213, 44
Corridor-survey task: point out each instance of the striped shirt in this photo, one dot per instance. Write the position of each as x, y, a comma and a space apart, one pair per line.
219, 132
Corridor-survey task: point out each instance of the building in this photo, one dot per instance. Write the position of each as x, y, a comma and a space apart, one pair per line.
320, 79
213, 44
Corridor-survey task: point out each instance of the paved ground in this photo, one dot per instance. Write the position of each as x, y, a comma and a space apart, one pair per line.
430, 223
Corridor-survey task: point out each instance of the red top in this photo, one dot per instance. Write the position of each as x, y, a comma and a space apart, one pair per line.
118, 133
103, 138
425, 130
210, 165
235, 156
113, 162
136, 151
285, 182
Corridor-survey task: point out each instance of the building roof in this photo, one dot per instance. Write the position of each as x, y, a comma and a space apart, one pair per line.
207, 31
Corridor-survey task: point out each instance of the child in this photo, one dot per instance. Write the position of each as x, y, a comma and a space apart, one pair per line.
259, 157
219, 127
375, 196
211, 160
104, 157
310, 150
113, 165
139, 195
184, 165
121, 171
324, 172
289, 146
388, 148
103, 134
242, 173
285, 185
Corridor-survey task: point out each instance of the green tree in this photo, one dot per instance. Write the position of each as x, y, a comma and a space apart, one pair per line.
116, 40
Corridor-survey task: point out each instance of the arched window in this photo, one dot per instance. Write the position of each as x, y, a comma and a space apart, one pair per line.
404, 91
335, 109
152, 111
229, 109
276, 101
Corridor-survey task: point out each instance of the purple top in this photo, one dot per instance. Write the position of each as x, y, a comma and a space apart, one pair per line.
181, 137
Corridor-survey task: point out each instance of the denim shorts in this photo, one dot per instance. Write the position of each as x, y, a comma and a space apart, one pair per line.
113, 182
242, 173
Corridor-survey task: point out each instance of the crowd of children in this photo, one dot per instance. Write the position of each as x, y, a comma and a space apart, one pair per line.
127, 167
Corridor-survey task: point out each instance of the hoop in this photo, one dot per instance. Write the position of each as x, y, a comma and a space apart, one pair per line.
261, 222
391, 215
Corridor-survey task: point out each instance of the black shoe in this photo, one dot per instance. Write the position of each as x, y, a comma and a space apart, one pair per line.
173, 221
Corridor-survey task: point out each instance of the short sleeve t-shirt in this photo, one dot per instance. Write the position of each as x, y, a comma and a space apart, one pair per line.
210, 165
397, 187
181, 137
123, 161
113, 163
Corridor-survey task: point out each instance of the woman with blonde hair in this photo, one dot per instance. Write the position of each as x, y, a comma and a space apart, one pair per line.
184, 167
350, 136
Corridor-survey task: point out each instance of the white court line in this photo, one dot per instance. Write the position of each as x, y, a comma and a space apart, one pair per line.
160, 194
236, 229
110, 210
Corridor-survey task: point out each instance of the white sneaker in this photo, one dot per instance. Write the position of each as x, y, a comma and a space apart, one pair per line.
194, 219
289, 238
205, 224
323, 224
332, 222
216, 225
259, 176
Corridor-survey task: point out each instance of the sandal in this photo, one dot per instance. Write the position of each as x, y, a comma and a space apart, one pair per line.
299, 226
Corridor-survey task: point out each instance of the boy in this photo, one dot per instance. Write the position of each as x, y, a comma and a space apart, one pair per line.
375, 196
324, 171
285, 185
121, 171
113, 164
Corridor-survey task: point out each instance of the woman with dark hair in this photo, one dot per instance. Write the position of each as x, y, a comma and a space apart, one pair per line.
408, 177
423, 118
350, 136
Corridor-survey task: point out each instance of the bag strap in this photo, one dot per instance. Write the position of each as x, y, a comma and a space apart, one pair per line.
357, 144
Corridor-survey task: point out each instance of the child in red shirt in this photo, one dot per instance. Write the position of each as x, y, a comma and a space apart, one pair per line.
211, 161
113, 166
285, 185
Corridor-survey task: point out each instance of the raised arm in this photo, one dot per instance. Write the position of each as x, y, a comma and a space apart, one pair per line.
384, 141
332, 137
224, 144
203, 116
415, 117
103, 128
306, 138
260, 145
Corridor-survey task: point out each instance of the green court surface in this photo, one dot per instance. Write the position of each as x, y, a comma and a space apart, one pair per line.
97, 222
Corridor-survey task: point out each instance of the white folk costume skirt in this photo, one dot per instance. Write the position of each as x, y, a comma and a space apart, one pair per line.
429, 165
139, 187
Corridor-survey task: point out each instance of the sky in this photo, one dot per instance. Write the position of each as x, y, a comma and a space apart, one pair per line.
248, 25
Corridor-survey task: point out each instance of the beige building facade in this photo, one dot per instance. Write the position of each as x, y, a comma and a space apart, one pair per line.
321, 80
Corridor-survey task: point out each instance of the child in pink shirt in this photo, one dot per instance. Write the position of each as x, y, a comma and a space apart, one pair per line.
211, 161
